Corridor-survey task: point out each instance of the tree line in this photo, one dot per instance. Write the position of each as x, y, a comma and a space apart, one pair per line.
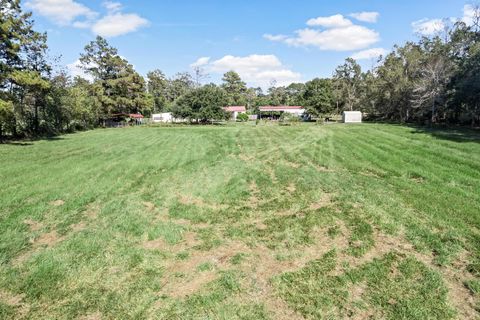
433, 80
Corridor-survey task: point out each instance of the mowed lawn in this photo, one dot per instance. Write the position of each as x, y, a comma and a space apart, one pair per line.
242, 222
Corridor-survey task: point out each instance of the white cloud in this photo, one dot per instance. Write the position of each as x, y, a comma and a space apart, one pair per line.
335, 21
117, 24
278, 37
255, 69
112, 6
369, 54
82, 24
338, 34
200, 62
76, 70
468, 14
70, 12
428, 27
61, 12
337, 39
365, 16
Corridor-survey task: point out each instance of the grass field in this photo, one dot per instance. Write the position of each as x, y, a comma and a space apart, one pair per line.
242, 222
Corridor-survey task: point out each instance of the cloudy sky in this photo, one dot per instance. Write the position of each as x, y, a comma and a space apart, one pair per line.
285, 41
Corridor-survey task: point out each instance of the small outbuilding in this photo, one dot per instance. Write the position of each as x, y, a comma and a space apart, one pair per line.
162, 117
123, 119
235, 111
352, 117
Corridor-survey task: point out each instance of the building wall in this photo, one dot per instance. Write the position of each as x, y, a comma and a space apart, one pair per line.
162, 117
352, 117
298, 112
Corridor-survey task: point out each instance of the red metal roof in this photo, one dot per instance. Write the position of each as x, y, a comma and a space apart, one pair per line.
235, 109
135, 115
280, 108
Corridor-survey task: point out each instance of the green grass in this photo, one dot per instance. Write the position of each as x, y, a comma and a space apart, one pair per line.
242, 222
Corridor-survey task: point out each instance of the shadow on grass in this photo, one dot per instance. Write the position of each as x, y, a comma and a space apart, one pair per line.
456, 134
29, 141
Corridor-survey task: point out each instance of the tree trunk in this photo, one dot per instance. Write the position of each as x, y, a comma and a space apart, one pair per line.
433, 111
36, 122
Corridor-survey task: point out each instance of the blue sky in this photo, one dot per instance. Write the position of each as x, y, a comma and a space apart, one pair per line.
262, 40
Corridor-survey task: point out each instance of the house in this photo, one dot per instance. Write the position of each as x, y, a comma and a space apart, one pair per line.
352, 117
274, 112
234, 111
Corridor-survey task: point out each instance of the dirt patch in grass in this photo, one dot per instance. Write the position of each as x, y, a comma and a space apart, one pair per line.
279, 309
187, 287
356, 291
293, 164
92, 316
287, 213
260, 224
77, 227
163, 216
188, 242
245, 157
253, 200
320, 168
156, 244
16, 301
263, 264
57, 203
324, 201
49, 239
193, 280
11, 299
190, 200
149, 205
370, 173
454, 276
33, 225
291, 188
92, 211
271, 172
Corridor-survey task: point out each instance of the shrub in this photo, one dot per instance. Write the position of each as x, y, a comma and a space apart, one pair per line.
288, 118
242, 117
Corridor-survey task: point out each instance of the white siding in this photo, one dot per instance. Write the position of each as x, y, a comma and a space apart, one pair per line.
352, 117
162, 117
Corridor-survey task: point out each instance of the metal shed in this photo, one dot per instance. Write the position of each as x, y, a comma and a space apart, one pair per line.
352, 117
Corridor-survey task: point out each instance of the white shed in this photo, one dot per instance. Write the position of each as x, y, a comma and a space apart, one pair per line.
162, 117
352, 117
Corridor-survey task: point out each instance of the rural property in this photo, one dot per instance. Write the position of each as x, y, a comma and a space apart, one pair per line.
242, 222
239, 160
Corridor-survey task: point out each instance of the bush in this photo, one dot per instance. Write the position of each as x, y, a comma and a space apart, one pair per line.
242, 117
288, 118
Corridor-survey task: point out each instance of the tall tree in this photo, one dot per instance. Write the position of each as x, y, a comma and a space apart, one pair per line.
348, 77
121, 89
157, 87
23, 70
202, 104
235, 88
318, 96
181, 83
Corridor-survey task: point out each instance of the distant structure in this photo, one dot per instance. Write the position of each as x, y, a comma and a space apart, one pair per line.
274, 112
162, 117
123, 119
352, 117
234, 111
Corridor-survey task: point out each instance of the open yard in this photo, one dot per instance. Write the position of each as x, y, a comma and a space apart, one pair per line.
242, 222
